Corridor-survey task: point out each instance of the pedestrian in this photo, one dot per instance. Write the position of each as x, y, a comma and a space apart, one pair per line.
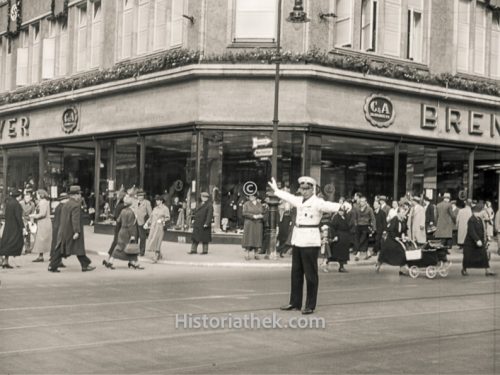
382, 200
156, 224
393, 211
306, 241
202, 225
253, 226
70, 238
29, 208
43, 237
463, 216
392, 250
127, 234
63, 198
380, 225
454, 233
341, 231
285, 222
142, 209
475, 254
430, 218
11, 244
416, 222
497, 230
489, 216
364, 222
116, 213
444, 220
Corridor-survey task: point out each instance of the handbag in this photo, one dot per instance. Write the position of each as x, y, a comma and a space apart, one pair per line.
132, 248
33, 227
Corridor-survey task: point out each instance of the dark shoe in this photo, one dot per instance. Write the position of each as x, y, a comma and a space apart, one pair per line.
464, 272
307, 311
401, 273
192, 252
38, 260
8, 266
135, 266
88, 269
490, 273
289, 308
204, 253
108, 265
61, 265
55, 270
342, 269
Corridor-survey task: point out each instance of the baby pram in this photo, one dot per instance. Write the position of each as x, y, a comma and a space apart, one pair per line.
430, 258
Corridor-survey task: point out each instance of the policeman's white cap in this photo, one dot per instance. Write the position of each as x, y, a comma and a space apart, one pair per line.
307, 180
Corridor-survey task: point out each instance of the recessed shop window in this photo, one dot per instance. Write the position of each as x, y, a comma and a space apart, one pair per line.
486, 177
22, 166
127, 163
350, 165
255, 20
417, 170
452, 171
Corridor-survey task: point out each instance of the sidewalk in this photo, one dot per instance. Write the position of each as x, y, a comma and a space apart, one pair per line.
219, 255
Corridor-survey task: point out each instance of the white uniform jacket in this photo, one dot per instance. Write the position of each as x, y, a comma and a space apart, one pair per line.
306, 232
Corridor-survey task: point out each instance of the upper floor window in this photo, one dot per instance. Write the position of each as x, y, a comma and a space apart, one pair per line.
96, 44
369, 18
35, 52
480, 39
22, 65
495, 46
415, 30
81, 38
256, 20
343, 24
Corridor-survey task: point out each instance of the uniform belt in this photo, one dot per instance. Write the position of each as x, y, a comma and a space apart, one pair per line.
307, 225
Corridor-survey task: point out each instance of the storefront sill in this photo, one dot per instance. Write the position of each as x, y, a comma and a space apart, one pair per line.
258, 71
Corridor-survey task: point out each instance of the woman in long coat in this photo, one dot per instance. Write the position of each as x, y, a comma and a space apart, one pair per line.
43, 237
392, 252
253, 212
475, 254
127, 233
202, 225
416, 222
12, 241
156, 222
341, 234
118, 209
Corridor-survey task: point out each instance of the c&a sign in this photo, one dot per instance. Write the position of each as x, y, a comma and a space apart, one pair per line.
379, 111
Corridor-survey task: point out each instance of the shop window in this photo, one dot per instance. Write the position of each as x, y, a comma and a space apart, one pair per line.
463, 35
169, 171
255, 20
343, 24
369, 24
486, 177
22, 166
452, 172
350, 165
417, 170
415, 31
127, 163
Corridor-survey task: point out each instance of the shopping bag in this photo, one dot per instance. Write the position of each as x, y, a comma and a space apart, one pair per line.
132, 248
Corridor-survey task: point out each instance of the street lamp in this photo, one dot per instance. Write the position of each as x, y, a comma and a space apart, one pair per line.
296, 16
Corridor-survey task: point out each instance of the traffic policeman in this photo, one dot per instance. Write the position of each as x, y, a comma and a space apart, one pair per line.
306, 241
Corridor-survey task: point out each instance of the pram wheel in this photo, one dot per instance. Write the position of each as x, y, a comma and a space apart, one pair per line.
431, 272
414, 272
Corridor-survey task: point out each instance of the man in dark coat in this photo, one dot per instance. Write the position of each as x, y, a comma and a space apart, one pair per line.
445, 221
70, 239
380, 224
12, 239
202, 225
475, 254
430, 218
63, 198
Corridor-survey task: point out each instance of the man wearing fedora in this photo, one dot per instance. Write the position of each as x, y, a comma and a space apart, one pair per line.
445, 221
306, 241
70, 239
202, 224
142, 209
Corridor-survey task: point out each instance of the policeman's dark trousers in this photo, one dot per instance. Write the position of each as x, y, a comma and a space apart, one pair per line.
56, 260
143, 235
194, 247
304, 262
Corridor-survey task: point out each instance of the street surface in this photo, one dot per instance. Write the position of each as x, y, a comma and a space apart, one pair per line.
123, 321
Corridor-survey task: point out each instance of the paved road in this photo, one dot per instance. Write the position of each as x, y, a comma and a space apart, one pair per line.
123, 321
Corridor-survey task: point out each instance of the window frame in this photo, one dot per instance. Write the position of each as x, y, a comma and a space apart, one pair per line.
236, 39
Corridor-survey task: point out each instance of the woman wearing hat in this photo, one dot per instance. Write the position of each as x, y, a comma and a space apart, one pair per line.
43, 237
12, 241
475, 254
392, 251
127, 233
341, 229
253, 227
120, 196
156, 224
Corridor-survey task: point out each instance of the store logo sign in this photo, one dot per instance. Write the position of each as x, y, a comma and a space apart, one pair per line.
70, 120
379, 111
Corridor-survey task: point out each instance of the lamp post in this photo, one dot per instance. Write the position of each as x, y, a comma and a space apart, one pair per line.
296, 16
